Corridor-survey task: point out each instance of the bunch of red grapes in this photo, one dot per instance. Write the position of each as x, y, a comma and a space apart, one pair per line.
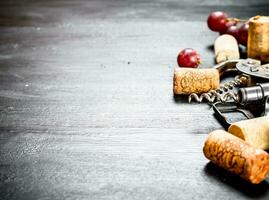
218, 21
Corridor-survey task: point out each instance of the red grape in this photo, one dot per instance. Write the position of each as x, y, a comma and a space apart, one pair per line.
232, 30
188, 58
243, 34
217, 20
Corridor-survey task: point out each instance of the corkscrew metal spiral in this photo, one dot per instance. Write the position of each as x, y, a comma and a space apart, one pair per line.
222, 94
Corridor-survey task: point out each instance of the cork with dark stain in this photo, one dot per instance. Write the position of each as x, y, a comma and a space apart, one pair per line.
237, 156
187, 81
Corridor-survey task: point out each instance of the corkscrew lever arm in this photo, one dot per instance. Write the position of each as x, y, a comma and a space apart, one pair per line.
229, 107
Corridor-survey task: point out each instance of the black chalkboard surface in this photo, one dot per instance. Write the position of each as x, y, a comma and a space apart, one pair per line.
86, 101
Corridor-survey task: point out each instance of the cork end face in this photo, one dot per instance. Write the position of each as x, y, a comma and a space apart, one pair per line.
175, 83
260, 19
259, 167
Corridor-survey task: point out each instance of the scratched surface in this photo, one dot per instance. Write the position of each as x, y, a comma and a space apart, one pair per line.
86, 103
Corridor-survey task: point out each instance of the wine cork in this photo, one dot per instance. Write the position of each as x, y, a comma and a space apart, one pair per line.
237, 156
188, 80
254, 131
258, 38
226, 48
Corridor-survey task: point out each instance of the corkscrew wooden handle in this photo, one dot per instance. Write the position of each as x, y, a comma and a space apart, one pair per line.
237, 156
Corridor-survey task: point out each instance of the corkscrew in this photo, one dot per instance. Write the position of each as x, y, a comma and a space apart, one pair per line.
248, 71
250, 101
222, 94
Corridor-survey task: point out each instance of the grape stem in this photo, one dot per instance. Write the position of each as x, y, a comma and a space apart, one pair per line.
231, 19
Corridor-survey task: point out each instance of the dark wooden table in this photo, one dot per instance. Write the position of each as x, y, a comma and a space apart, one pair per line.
87, 109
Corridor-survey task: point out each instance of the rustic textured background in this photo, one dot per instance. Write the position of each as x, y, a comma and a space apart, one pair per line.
86, 103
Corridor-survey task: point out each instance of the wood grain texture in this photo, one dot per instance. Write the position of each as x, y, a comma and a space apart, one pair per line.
87, 107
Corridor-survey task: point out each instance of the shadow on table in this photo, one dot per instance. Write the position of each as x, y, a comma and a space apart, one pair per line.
231, 180
182, 99
210, 47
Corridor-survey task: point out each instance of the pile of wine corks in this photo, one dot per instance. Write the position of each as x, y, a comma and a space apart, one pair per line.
187, 81
241, 149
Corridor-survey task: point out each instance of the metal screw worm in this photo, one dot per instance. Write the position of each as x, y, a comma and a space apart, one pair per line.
215, 95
